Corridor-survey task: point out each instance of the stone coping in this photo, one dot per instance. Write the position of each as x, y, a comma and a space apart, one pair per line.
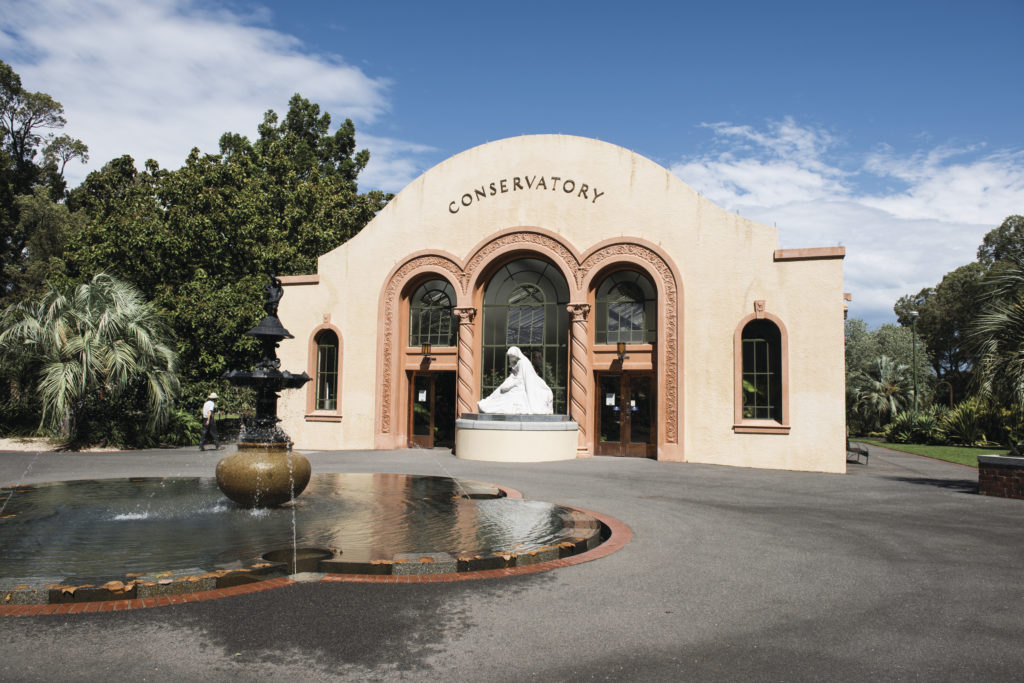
1001, 460
524, 423
503, 417
592, 536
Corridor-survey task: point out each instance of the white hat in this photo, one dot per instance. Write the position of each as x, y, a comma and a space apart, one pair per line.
212, 395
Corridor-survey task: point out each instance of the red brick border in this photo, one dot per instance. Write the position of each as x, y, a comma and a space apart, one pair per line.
141, 603
620, 536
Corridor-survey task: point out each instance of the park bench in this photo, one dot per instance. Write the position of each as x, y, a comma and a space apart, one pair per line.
854, 453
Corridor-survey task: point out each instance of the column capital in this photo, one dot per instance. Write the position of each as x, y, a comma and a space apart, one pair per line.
578, 312
465, 315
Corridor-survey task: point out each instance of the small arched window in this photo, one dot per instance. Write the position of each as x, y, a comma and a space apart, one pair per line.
762, 371
326, 370
626, 309
430, 314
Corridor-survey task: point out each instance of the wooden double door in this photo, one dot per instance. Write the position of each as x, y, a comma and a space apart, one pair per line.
625, 414
432, 409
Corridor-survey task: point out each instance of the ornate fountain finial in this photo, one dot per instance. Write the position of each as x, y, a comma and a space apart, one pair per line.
274, 291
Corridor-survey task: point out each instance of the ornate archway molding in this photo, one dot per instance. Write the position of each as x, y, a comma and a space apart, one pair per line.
580, 272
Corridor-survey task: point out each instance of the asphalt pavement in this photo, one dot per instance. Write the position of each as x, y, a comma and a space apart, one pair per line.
897, 570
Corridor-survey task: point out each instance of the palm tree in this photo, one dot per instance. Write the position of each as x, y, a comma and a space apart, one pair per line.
883, 391
998, 332
98, 342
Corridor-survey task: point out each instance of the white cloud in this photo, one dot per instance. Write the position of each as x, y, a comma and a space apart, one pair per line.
393, 163
897, 242
154, 79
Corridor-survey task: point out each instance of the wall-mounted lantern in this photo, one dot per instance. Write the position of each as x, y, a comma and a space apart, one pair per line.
425, 352
620, 348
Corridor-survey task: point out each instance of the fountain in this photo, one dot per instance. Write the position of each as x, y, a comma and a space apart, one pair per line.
265, 472
75, 541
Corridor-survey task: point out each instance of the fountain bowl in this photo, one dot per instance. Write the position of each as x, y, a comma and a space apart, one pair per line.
263, 477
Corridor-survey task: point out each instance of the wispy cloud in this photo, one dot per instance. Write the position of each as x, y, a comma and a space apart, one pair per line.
897, 241
154, 79
393, 163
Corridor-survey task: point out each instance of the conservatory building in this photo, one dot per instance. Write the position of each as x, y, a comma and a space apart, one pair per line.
665, 326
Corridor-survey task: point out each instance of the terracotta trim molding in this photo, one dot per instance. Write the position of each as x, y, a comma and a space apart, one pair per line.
743, 425
312, 414
469, 276
299, 279
811, 254
768, 427
392, 389
615, 254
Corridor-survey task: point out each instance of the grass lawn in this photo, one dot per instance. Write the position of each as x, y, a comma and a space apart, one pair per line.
962, 455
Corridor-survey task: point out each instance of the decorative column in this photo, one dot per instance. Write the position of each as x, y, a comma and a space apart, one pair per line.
579, 375
466, 375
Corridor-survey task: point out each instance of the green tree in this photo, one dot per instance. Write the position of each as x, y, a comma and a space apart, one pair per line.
49, 226
24, 119
1003, 242
99, 353
885, 390
946, 312
998, 333
200, 241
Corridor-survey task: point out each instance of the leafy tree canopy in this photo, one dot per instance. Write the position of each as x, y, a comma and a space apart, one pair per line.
1002, 242
200, 241
945, 312
29, 158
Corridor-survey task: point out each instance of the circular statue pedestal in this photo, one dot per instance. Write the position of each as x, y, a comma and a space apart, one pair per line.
515, 438
258, 476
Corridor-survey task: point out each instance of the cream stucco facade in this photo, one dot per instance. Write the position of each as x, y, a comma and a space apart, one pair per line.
588, 209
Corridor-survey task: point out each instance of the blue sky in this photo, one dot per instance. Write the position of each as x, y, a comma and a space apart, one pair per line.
893, 128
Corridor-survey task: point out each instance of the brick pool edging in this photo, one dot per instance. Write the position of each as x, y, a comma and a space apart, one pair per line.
618, 536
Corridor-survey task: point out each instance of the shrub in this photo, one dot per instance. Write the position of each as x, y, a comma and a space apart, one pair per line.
183, 429
920, 427
965, 424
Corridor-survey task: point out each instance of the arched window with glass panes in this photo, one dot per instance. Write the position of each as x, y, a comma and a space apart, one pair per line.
762, 371
326, 370
525, 305
430, 314
626, 309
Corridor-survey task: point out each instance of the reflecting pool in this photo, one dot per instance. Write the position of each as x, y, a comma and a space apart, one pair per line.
80, 530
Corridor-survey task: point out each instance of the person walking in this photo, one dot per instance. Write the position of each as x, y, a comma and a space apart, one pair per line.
209, 422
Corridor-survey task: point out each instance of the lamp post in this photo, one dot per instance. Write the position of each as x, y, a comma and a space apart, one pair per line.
913, 317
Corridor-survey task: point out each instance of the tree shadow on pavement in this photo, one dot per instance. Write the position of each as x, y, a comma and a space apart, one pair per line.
958, 485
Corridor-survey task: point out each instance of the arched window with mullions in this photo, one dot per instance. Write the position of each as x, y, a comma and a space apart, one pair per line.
626, 309
525, 305
326, 371
430, 314
762, 371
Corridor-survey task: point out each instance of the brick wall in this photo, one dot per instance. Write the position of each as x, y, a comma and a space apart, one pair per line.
1001, 476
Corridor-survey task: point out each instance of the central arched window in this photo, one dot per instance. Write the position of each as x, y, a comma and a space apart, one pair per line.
525, 306
430, 314
626, 309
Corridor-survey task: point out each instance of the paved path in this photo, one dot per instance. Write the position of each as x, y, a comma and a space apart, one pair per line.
895, 571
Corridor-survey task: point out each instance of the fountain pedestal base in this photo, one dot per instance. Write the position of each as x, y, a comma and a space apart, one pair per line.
258, 476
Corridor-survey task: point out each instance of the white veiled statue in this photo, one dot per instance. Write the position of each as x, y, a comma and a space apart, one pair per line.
522, 393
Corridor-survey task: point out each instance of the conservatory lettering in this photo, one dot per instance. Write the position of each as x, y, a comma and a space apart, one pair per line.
566, 186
